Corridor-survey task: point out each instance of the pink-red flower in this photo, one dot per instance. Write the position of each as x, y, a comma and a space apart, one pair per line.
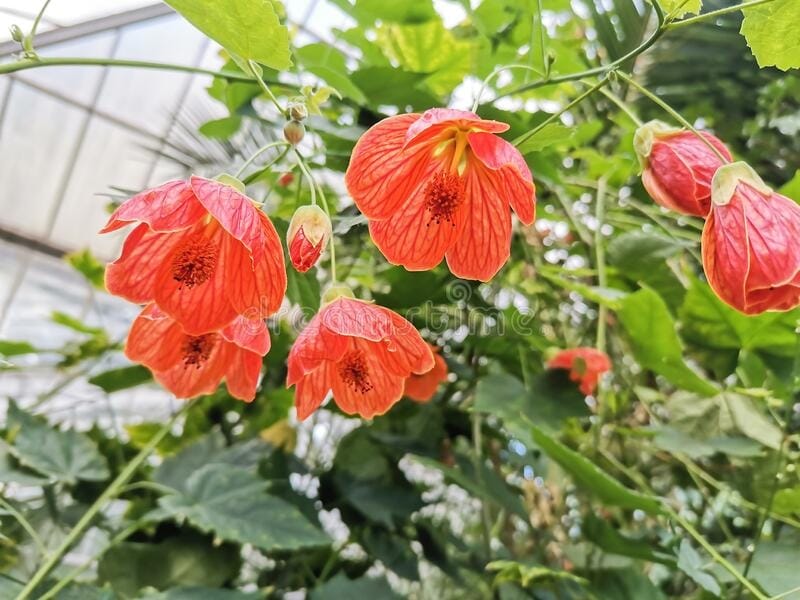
192, 365
751, 243
361, 352
585, 366
308, 234
202, 251
440, 185
677, 166
422, 387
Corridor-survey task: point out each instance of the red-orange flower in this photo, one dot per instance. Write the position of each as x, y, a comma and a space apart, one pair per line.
203, 252
192, 365
307, 236
439, 185
751, 243
677, 166
361, 352
585, 365
421, 387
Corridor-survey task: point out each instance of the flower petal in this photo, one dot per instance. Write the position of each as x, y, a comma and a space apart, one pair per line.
241, 377
155, 340
248, 334
356, 318
312, 390
314, 346
725, 250
169, 207
485, 243
435, 120
188, 381
421, 388
133, 275
513, 178
404, 352
382, 176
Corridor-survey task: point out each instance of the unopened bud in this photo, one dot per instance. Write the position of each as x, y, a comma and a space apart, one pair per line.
309, 232
298, 111
285, 179
294, 132
16, 33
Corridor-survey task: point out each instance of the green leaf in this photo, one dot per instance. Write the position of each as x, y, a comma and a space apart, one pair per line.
221, 129
689, 562
201, 593
249, 28
787, 501
399, 12
326, 62
12, 472
303, 289
775, 569
387, 85
87, 265
121, 379
66, 456
624, 584
589, 476
527, 574
552, 133
655, 343
367, 587
75, 324
792, 188
611, 540
678, 8
10, 348
232, 503
771, 32
188, 560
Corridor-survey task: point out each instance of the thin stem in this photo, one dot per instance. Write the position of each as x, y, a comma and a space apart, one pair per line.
30, 63
485, 516
109, 493
494, 74
785, 594
542, 53
600, 260
26, 525
38, 19
258, 153
254, 175
672, 112
307, 173
716, 13
622, 105
254, 68
526, 136
317, 188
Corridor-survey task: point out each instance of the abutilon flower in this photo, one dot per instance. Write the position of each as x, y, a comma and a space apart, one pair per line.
585, 365
751, 243
439, 185
202, 251
191, 365
421, 387
285, 179
308, 234
361, 352
677, 166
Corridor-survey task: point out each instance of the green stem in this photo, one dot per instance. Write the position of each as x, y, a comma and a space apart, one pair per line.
255, 69
258, 153
38, 19
255, 174
26, 525
715, 13
526, 136
477, 463
543, 54
316, 188
109, 493
600, 260
672, 112
623, 106
22, 65
494, 74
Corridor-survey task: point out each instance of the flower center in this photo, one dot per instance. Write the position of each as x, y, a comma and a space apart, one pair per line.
195, 261
443, 195
353, 371
197, 349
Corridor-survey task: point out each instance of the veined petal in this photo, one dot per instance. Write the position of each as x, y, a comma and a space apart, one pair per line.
422, 387
382, 176
200, 305
405, 351
154, 340
512, 177
312, 390
241, 376
313, 347
725, 250
434, 121
169, 207
133, 275
485, 243
375, 394
188, 381
356, 318
248, 334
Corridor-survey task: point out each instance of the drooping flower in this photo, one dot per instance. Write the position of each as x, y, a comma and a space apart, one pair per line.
308, 234
751, 243
202, 251
192, 365
422, 387
585, 365
677, 166
361, 352
439, 185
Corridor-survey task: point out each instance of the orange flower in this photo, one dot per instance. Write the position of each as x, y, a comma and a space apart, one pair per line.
192, 365
203, 252
422, 387
586, 366
307, 236
677, 166
751, 243
439, 185
360, 351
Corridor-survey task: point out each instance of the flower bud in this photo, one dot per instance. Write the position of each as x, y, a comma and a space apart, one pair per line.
298, 111
285, 179
309, 232
294, 132
16, 33
751, 243
677, 166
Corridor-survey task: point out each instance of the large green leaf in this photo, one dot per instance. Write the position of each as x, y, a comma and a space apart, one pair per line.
201, 593
655, 343
10, 348
775, 569
232, 503
689, 562
341, 587
66, 456
679, 8
248, 28
328, 63
771, 32
591, 477
122, 378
